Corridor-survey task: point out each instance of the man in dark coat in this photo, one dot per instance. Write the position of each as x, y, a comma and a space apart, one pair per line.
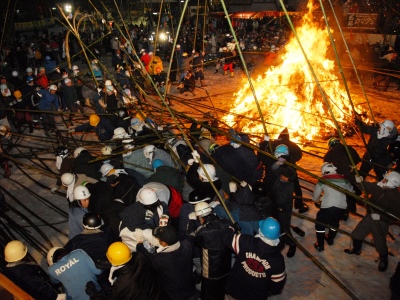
132, 275
295, 155
173, 264
216, 258
386, 195
377, 156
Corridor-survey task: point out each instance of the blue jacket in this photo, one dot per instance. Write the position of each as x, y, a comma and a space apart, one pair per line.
48, 100
74, 271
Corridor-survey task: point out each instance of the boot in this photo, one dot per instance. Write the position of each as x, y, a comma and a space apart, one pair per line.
225, 72
319, 245
202, 83
330, 237
232, 74
356, 248
292, 251
383, 262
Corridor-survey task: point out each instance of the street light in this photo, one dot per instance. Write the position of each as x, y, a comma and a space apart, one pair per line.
68, 8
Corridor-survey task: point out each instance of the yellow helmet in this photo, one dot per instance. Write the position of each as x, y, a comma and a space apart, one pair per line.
15, 251
118, 254
18, 94
94, 119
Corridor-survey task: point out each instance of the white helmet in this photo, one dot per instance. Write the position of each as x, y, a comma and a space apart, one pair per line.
78, 151
202, 209
53, 87
108, 83
106, 150
75, 67
50, 255
67, 179
29, 70
119, 133
385, 129
328, 168
81, 192
148, 151
146, 196
14, 73
105, 169
210, 169
391, 180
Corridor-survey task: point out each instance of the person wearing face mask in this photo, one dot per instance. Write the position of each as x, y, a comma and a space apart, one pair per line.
377, 156
384, 194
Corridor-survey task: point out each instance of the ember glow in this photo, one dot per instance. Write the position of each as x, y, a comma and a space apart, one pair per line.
288, 94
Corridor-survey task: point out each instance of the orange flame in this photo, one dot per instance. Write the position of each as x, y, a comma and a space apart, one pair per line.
288, 94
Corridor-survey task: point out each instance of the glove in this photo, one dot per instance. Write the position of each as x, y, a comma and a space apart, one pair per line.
214, 204
375, 217
98, 90
359, 179
190, 161
163, 220
235, 226
232, 187
54, 189
160, 128
280, 161
38, 89
193, 51
138, 235
71, 130
243, 183
13, 103
266, 138
196, 156
61, 297
192, 216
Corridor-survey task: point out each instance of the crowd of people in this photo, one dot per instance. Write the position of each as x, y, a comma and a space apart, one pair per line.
160, 216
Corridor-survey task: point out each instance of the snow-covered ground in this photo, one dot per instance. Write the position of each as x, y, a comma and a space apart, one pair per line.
358, 274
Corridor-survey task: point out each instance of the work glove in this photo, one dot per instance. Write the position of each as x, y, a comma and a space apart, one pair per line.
232, 187
54, 189
61, 297
71, 130
138, 233
192, 216
196, 156
375, 217
359, 179
163, 220
266, 138
280, 161
214, 204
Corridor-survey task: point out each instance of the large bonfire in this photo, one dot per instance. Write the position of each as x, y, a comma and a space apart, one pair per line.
289, 95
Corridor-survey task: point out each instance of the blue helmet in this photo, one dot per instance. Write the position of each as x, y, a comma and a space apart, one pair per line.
270, 228
29, 78
281, 150
157, 163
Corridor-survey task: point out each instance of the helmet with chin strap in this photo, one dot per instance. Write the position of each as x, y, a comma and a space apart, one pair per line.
391, 180
385, 129
328, 168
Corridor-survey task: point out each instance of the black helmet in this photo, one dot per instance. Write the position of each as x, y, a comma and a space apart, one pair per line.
332, 142
122, 113
62, 151
196, 196
92, 220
